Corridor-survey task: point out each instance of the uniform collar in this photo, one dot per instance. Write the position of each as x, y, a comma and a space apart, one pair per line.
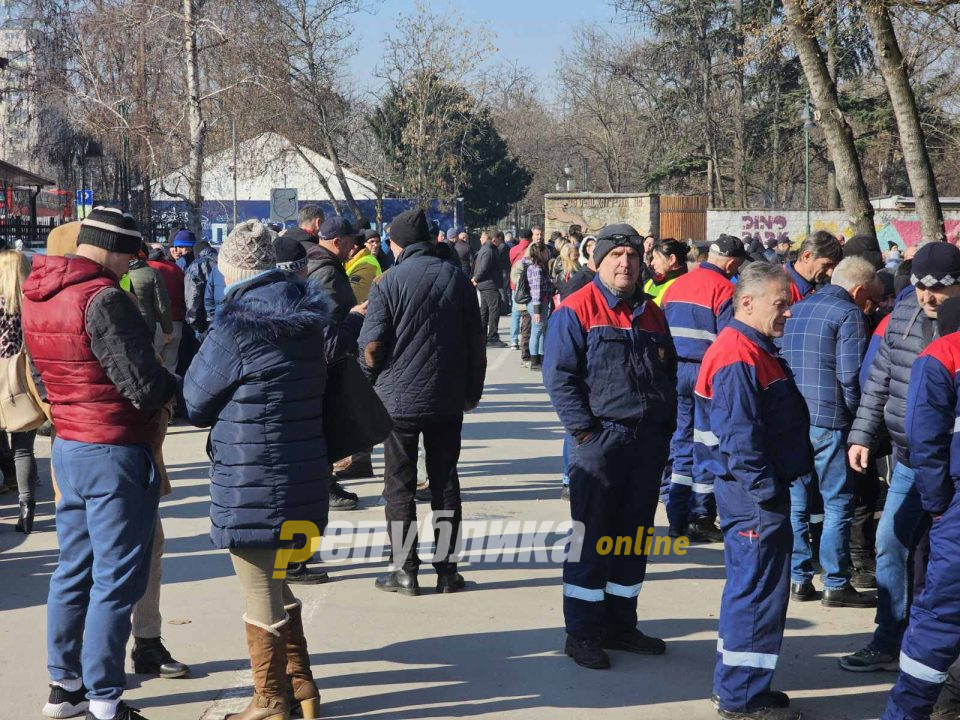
803, 285
614, 300
710, 266
756, 337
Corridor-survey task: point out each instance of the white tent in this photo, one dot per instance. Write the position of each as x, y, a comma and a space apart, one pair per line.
265, 162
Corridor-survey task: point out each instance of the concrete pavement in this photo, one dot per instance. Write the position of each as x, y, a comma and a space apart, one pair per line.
493, 651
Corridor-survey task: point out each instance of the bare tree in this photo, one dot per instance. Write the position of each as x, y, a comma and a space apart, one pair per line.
801, 24
893, 67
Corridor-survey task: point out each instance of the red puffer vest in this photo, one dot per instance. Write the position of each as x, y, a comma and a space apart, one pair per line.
86, 405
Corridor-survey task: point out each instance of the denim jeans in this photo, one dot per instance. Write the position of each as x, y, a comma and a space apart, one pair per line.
105, 526
538, 331
515, 311
902, 523
836, 487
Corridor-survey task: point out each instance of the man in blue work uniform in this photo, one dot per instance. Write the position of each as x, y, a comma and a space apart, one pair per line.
698, 306
610, 368
932, 640
751, 433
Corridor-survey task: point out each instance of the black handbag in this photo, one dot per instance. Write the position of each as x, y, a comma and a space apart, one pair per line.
354, 419
522, 294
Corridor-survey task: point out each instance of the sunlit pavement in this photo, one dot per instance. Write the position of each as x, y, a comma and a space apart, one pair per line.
492, 651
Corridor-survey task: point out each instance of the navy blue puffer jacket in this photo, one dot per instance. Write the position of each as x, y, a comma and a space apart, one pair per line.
422, 344
258, 382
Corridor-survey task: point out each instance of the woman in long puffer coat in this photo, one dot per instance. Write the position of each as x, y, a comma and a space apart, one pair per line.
258, 382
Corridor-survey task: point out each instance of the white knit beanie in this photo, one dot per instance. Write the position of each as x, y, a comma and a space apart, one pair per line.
247, 251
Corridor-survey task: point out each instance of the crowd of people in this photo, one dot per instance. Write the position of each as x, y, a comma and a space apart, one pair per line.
773, 403
761, 395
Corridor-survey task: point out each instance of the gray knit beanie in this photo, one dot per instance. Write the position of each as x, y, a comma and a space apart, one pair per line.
247, 251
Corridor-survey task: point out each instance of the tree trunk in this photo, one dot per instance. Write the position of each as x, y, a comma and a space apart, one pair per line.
912, 141
198, 126
321, 179
836, 129
334, 157
739, 123
833, 196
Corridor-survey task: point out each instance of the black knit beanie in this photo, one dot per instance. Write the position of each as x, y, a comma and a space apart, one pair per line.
110, 229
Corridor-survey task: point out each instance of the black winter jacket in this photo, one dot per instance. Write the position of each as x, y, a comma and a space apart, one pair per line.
462, 251
486, 268
325, 270
422, 343
884, 398
581, 278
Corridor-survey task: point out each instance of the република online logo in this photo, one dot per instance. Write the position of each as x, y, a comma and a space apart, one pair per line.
544, 541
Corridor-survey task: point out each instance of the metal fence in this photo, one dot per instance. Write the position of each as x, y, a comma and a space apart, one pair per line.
33, 236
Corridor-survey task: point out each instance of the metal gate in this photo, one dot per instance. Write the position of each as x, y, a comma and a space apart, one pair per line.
683, 217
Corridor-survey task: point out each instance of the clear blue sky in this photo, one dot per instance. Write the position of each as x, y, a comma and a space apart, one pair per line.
528, 32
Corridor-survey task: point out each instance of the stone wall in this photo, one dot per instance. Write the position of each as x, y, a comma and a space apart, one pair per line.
593, 211
899, 226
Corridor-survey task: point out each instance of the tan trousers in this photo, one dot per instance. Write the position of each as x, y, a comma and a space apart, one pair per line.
265, 597
146, 613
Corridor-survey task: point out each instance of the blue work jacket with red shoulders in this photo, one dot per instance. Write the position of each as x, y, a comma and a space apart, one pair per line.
933, 422
800, 287
698, 305
605, 361
751, 424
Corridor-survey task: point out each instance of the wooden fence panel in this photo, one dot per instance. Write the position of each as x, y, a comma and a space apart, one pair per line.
683, 217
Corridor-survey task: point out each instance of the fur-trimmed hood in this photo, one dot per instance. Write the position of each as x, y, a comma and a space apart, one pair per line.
275, 305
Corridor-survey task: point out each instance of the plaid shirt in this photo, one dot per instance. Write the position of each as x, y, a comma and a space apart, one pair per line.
824, 343
541, 287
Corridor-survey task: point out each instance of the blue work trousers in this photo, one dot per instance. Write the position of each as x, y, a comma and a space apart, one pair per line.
690, 495
614, 480
932, 641
753, 609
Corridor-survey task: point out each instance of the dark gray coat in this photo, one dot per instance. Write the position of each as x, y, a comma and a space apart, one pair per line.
884, 398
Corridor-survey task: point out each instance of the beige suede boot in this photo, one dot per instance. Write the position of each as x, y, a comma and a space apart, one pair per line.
298, 665
267, 645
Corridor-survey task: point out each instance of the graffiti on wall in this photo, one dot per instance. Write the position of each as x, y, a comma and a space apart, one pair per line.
897, 226
763, 228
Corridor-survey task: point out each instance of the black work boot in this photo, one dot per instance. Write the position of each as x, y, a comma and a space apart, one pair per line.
703, 530
450, 582
341, 499
150, 657
633, 641
587, 653
399, 581
764, 713
770, 699
803, 591
847, 597
299, 573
